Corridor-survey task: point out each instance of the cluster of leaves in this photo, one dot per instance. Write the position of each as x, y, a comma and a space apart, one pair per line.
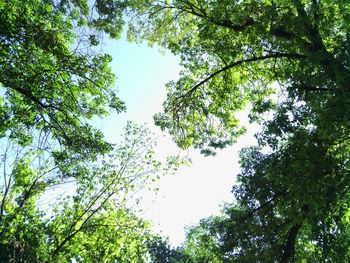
51, 79
91, 222
235, 53
288, 63
52, 84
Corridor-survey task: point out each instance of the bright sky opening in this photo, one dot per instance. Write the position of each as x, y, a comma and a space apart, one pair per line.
194, 192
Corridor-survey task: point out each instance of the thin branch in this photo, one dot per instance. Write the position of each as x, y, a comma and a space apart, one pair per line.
89, 208
307, 88
6, 183
238, 63
262, 206
192, 9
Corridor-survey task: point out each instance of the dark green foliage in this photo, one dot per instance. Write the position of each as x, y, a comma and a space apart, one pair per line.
237, 54
160, 251
288, 64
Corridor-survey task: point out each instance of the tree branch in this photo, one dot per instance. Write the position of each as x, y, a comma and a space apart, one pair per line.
240, 62
6, 183
200, 12
262, 206
88, 209
288, 249
309, 88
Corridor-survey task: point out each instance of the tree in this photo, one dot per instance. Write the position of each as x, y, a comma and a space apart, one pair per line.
286, 210
287, 63
52, 81
160, 251
234, 55
90, 223
52, 84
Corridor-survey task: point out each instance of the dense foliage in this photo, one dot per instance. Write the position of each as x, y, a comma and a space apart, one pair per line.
285, 61
288, 64
65, 192
51, 80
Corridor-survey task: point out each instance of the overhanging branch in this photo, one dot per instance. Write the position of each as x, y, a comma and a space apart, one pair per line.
240, 62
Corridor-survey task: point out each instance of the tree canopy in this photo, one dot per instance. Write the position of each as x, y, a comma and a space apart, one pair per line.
53, 83
235, 53
93, 221
287, 63
51, 80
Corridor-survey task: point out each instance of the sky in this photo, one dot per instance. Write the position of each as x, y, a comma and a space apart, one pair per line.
194, 192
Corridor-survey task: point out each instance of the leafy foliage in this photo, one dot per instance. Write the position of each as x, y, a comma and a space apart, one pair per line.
51, 80
160, 251
91, 222
288, 64
234, 54
52, 84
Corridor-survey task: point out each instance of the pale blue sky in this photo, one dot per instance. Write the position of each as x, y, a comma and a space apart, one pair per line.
142, 73
193, 192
